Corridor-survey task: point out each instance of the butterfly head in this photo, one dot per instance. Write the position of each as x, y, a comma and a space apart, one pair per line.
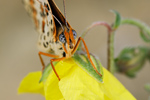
68, 38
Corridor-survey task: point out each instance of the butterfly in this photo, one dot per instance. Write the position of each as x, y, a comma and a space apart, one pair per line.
57, 39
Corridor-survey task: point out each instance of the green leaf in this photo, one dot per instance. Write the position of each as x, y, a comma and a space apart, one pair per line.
85, 64
117, 20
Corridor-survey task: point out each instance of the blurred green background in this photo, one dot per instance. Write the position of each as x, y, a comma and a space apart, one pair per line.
19, 53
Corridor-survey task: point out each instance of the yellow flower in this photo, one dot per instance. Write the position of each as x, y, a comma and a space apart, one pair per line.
75, 84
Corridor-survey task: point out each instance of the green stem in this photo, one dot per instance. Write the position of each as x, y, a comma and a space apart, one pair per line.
137, 23
110, 55
110, 50
98, 23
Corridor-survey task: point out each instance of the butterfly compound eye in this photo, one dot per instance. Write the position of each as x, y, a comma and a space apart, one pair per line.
74, 34
62, 38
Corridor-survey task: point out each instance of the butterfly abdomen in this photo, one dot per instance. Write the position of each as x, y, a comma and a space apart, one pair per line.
44, 25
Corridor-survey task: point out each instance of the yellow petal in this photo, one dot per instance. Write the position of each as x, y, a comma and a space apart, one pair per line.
79, 85
30, 84
51, 88
113, 89
52, 91
76, 84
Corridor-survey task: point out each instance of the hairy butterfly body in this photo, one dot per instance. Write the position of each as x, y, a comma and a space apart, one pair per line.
57, 38
49, 29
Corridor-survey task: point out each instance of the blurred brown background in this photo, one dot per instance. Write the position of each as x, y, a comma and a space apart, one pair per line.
19, 54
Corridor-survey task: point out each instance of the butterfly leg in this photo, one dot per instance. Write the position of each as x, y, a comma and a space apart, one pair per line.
51, 61
87, 51
45, 54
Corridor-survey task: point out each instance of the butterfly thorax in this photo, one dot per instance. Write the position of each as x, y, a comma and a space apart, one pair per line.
62, 45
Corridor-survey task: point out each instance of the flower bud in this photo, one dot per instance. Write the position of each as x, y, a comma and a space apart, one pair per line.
131, 60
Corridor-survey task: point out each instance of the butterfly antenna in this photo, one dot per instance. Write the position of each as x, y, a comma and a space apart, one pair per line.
65, 14
52, 15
